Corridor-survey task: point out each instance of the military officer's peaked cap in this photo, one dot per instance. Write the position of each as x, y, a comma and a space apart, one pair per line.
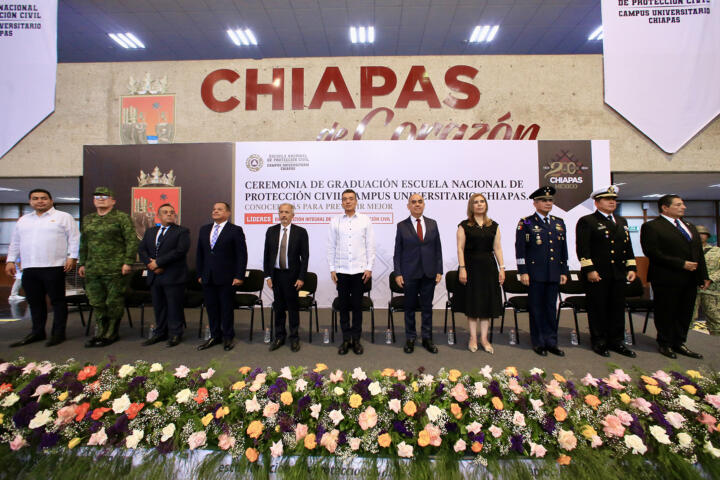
543, 193
703, 229
104, 191
610, 191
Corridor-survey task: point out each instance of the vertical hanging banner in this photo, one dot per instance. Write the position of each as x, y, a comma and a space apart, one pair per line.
662, 68
28, 49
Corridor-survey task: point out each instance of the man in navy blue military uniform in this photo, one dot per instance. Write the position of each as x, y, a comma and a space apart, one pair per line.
541, 254
607, 261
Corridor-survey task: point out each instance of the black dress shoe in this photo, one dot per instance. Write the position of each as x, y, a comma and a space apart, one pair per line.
105, 341
209, 343
344, 347
174, 341
601, 350
540, 351
623, 350
555, 351
295, 345
429, 345
154, 340
32, 338
279, 342
228, 344
667, 351
684, 350
55, 341
93, 342
409, 346
357, 347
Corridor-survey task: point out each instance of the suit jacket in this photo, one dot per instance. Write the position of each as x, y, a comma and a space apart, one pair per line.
413, 258
604, 246
668, 250
226, 260
171, 255
541, 249
298, 251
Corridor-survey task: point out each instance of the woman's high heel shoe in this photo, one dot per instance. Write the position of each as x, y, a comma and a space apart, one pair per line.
489, 349
472, 348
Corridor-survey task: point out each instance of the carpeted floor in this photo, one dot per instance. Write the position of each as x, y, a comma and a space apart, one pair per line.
578, 360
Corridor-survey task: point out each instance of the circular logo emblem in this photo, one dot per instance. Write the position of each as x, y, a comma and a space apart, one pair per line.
254, 163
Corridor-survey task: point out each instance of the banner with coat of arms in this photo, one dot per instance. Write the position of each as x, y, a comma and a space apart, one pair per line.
154, 190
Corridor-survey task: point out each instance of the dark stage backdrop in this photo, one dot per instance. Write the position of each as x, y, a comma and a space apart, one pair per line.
190, 176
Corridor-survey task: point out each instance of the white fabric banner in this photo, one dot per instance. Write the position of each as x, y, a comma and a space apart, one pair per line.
662, 66
312, 176
28, 49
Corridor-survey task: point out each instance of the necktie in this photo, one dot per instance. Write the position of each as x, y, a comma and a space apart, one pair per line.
159, 240
283, 250
682, 230
547, 221
213, 239
610, 217
419, 230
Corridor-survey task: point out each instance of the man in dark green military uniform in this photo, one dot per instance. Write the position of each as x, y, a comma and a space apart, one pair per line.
108, 247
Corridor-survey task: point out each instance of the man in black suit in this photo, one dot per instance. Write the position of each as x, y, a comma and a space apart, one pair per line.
164, 251
285, 263
607, 261
418, 268
221, 261
677, 268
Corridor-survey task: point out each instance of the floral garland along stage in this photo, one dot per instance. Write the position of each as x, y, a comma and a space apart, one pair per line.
390, 413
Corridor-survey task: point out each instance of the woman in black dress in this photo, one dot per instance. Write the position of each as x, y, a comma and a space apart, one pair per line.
481, 270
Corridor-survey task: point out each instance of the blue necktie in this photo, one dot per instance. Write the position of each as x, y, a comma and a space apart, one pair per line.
682, 230
215, 234
159, 240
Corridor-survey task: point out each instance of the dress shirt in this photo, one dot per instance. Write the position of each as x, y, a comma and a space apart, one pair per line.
351, 244
212, 229
682, 224
277, 259
545, 219
160, 229
414, 220
45, 240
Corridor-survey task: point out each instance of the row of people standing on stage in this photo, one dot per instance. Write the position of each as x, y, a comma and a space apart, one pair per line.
50, 242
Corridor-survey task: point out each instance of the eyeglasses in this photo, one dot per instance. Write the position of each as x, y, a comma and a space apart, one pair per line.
101, 197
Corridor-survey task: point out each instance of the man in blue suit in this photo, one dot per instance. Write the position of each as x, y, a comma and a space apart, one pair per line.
418, 268
164, 251
221, 261
541, 254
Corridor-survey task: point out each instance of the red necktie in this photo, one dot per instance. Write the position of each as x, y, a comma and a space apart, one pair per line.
419, 230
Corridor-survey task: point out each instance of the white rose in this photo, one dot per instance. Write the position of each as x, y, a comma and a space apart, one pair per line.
712, 450
40, 419
336, 416
132, 440
358, 374
374, 388
300, 385
10, 400
126, 370
660, 435
168, 432
121, 404
156, 367
315, 410
687, 403
684, 439
338, 391
183, 395
635, 443
479, 390
433, 413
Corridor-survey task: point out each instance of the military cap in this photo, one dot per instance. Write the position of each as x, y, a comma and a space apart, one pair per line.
610, 191
104, 191
703, 230
543, 193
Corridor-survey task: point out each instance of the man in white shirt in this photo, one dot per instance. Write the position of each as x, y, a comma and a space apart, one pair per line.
48, 242
351, 254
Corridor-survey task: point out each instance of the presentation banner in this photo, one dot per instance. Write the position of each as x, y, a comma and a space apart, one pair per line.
313, 175
28, 48
661, 66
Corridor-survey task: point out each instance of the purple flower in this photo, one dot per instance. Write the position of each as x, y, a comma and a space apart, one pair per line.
136, 382
49, 440
571, 388
494, 388
303, 403
255, 373
480, 437
165, 447
439, 389
316, 378
637, 429
361, 388
549, 423
396, 391
516, 443
451, 427
23, 416
658, 415
286, 422
342, 438
399, 426
95, 426
30, 388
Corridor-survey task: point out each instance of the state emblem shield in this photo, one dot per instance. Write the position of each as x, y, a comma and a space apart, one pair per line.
147, 119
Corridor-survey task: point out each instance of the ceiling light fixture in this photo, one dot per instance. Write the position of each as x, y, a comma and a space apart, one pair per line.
597, 34
654, 195
5, 189
717, 185
242, 37
363, 35
126, 40
484, 33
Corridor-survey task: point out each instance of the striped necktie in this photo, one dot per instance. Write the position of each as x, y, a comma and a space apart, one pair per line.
213, 239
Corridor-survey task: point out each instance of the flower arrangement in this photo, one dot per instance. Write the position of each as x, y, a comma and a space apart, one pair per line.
390, 413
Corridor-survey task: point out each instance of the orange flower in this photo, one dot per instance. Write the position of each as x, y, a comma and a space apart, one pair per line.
99, 412
649, 380
238, 385
384, 440
310, 442
652, 389
497, 403
560, 414
387, 372
511, 371
244, 370
81, 411
456, 410
410, 408
563, 460
255, 429
454, 374
134, 409
423, 438
477, 447
87, 372
559, 378
202, 395
286, 398
6, 387
592, 401
690, 389
251, 455
355, 400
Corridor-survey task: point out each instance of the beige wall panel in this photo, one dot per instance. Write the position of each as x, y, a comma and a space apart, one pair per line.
562, 94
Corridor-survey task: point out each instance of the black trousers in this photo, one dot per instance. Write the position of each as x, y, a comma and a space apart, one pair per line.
418, 290
39, 282
168, 301
286, 299
221, 310
542, 304
674, 305
606, 311
350, 293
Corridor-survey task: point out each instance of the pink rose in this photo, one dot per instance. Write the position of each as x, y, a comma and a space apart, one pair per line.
17, 443
434, 432
394, 405
589, 380
514, 386
613, 382
66, 415
42, 390
329, 440
553, 388
567, 440
182, 371
270, 409
301, 430
400, 375
537, 450
621, 375
45, 367
460, 446
675, 419
368, 418
595, 441
625, 418
613, 427
276, 449
713, 400
495, 431
662, 376
474, 428
709, 420
196, 440
336, 376
210, 372
225, 441
98, 438
152, 395
642, 405
459, 393
354, 443
405, 451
